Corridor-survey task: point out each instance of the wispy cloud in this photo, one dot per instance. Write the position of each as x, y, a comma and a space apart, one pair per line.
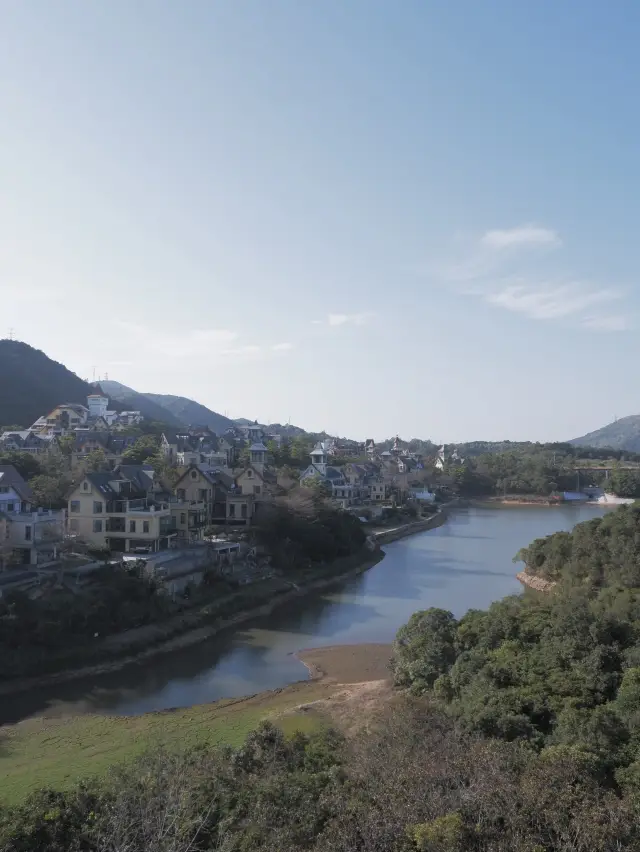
548, 303
335, 320
502, 267
219, 344
525, 235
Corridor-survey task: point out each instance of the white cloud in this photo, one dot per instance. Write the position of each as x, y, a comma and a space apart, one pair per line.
548, 303
335, 320
525, 235
500, 269
250, 349
282, 347
211, 343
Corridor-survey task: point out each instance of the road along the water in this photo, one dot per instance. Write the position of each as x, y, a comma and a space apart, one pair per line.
467, 563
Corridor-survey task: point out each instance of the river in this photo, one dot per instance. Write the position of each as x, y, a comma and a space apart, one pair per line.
467, 563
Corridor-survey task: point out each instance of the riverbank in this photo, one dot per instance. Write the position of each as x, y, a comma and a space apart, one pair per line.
393, 534
182, 631
517, 500
347, 684
190, 629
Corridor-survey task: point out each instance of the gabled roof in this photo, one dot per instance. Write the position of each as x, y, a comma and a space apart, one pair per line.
83, 438
102, 482
9, 477
334, 473
141, 476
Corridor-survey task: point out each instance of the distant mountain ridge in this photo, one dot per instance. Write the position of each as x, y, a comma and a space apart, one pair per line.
32, 384
622, 434
191, 413
131, 400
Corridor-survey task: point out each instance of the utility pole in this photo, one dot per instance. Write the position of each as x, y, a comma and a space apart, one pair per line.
11, 334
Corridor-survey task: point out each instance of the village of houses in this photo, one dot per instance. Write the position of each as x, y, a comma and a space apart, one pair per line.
129, 512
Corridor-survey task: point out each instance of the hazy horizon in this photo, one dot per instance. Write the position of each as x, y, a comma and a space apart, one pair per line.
358, 217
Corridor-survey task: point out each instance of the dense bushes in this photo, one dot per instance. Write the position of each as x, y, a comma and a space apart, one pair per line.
301, 530
601, 552
34, 628
414, 783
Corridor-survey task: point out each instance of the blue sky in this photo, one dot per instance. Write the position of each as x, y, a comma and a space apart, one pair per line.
368, 217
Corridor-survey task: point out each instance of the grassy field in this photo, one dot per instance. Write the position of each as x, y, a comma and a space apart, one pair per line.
56, 753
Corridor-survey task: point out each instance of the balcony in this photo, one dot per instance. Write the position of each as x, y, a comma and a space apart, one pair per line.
136, 507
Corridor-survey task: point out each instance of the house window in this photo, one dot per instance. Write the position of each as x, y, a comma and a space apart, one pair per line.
27, 533
97, 526
10, 507
194, 474
4, 489
243, 510
256, 489
182, 494
73, 525
97, 508
183, 518
249, 474
74, 506
145, 526
232, 510
85, 486
132, 526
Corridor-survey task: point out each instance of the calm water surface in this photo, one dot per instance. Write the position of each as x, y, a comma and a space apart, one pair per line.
465, 563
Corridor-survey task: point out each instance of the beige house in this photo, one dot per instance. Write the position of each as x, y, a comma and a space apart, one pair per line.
119, 511
189, 520
254, 486
202, 484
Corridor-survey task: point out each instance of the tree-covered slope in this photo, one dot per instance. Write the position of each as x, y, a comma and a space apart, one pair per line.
559, 671
191, 413
623, 434
31, 384
131, 400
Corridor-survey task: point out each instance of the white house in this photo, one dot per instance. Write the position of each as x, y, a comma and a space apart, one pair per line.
28, 536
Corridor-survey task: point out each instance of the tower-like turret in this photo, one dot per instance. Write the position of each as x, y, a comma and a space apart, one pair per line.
258, 456
320, 458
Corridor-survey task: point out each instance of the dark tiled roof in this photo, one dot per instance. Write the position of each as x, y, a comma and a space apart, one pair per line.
141, 476
334, 473
10, 477
101, 438
102, 481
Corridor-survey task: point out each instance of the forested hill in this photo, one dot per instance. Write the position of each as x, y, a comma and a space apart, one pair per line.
559, 672
602, 552
622, 434
31, 384
131, 400
189, 412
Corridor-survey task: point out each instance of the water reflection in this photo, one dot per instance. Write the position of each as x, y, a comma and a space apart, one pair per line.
465, 563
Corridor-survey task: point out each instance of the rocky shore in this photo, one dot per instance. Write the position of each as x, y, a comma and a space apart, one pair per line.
533, 582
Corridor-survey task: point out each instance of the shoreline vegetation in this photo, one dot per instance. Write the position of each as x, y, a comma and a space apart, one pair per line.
184, 630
